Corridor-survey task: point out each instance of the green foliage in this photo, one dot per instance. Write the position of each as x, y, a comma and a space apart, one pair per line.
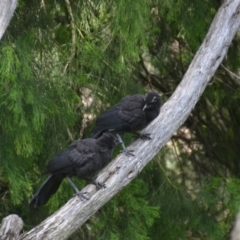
53, 53
28, 100
127, 216
189, 19
195, 213
130, 21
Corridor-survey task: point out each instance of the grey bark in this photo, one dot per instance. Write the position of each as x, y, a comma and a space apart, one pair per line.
11, 227
7, 8
235, 234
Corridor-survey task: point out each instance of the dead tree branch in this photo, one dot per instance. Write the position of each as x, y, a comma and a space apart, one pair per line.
7, 8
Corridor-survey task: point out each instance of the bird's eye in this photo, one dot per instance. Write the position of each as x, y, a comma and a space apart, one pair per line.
154, 99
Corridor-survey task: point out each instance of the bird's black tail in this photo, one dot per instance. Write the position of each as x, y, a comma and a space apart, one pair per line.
48, 188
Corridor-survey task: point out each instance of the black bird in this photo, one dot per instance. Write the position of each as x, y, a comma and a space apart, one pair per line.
82, 159
131, 114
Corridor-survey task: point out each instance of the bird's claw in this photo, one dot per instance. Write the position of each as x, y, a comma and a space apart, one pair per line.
100, 185
145, 136
82, 196
128, 152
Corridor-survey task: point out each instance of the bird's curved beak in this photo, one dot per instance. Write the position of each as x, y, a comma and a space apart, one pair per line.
117, 142
146, 106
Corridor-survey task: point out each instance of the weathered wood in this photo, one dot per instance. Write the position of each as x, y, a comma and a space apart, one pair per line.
235, 234
7, 8
11, 227
174, 112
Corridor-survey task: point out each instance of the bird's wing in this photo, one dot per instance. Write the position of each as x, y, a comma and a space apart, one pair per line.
60, 163
118, 117
82, 151
131, 112
108, 121
78, 154
89, 157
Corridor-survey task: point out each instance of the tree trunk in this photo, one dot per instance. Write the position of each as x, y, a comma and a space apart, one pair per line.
175, 111
7, 8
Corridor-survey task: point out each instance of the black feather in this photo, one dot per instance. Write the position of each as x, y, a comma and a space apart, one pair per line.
132, 113
82, 159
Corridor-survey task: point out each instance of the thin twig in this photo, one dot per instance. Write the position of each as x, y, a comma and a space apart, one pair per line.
235, 75
73, 48
43, 5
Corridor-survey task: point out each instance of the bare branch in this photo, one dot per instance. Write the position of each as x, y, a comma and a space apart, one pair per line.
7, 8
235, 234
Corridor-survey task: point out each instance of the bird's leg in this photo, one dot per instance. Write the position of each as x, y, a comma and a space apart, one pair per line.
81, 195
125, 150
143, 136
93, 181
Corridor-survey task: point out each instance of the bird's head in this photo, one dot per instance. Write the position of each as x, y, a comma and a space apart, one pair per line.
109, 139
152, 101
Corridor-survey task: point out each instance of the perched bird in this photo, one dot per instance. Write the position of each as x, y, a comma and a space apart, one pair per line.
131, 114
82, 159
